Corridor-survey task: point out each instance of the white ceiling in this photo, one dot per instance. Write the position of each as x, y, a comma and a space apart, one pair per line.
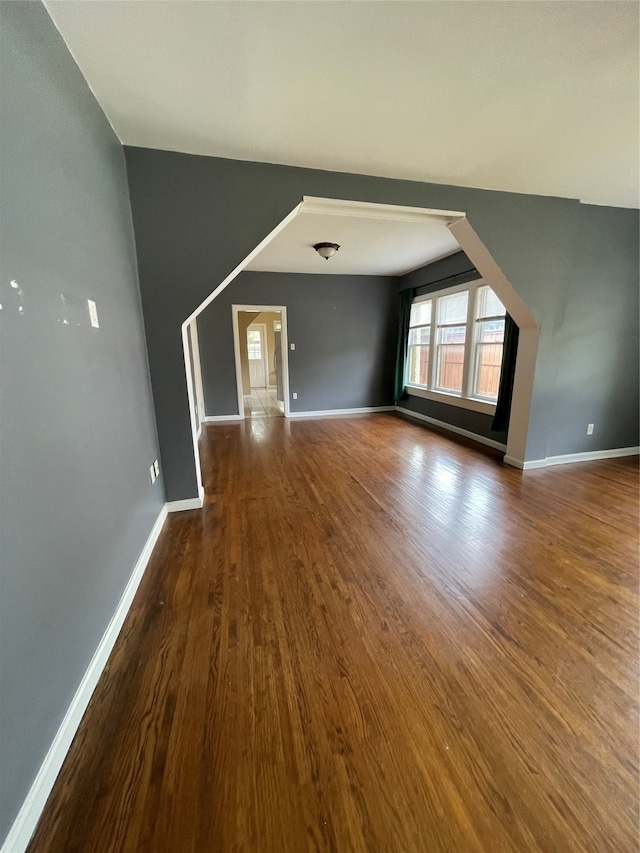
368, 246
532, 97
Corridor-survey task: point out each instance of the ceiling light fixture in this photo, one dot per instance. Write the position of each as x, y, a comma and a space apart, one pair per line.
326, 250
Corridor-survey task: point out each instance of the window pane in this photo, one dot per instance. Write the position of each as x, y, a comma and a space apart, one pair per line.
450, 366
488, 304
453, 334
489, 361
420, 313
491, 331
451, 341
254, 344
420, 336
453, 309
418, 373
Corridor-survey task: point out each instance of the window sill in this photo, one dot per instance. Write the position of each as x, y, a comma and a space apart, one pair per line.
452, 400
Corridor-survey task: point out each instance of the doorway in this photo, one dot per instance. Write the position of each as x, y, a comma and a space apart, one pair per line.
261, 355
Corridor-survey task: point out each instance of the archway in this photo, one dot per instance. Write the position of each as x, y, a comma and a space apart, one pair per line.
460, 227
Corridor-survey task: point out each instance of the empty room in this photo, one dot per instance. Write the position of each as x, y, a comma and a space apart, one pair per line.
319, 426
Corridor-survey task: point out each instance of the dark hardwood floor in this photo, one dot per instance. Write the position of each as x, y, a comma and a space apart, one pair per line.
373, 638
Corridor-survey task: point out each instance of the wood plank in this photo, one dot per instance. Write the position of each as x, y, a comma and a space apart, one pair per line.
372, 638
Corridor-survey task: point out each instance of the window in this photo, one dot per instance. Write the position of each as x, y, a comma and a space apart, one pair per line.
451, 336
455, 346
489, 338
419, 342
254, 344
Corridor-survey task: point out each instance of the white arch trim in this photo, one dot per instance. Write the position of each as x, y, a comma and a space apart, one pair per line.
484, 262
477, 252
197, 502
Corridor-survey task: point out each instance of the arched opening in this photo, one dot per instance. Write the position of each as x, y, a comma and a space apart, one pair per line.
460, 227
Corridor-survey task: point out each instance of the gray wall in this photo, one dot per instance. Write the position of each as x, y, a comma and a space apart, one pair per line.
196, 218
596, 342
447, 272
344, 328
594, 349
77, 428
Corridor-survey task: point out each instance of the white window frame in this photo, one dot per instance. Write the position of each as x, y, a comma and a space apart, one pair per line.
429, 326
260, 328
465, 399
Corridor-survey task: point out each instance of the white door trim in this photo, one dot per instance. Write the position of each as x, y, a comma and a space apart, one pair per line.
235, 309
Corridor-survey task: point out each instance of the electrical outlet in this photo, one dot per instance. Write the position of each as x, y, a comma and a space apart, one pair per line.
293, 346
589, 429
156, 468
152, 471
295, 395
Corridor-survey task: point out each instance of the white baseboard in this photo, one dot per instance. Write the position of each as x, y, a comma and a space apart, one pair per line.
187, 503
518, 463
570, 458
28, 816
331, 412
458, 430
318, 414
524, 466
209, 419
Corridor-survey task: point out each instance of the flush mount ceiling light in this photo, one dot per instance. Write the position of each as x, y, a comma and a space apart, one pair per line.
326, 250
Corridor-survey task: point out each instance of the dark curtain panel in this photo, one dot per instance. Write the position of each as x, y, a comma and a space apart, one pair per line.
406, 298
505, 392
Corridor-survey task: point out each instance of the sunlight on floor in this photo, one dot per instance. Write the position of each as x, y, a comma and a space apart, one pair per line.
263, 404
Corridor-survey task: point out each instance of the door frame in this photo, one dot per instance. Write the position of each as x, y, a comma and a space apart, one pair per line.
284, 342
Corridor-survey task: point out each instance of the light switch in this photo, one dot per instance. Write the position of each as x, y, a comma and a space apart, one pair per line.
93, 313
293, 346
